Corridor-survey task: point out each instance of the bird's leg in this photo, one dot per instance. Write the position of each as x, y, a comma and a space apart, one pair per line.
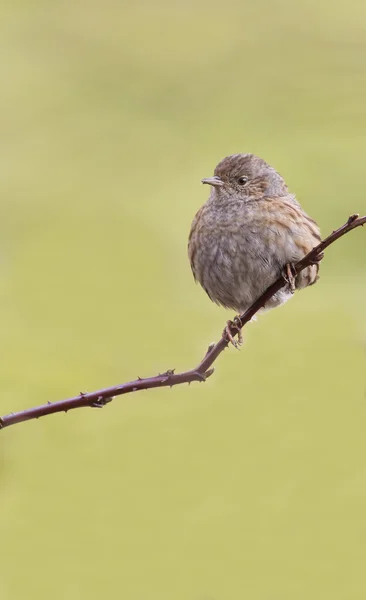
234, 324
289, 274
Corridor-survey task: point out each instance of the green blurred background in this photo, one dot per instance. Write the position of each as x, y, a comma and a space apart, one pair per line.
254, 484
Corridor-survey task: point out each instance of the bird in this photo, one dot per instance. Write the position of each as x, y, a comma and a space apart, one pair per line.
249, 232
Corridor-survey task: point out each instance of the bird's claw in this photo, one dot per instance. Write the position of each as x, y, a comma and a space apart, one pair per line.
289, 274
317, 259
234, 324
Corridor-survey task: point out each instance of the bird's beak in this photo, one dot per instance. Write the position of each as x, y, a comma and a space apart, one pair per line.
215, 181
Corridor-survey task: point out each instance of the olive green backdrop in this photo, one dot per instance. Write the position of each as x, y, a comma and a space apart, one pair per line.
254, 484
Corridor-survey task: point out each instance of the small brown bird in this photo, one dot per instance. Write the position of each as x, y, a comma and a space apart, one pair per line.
249, 232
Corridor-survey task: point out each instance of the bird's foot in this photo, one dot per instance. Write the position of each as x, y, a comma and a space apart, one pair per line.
289, 274
235, 324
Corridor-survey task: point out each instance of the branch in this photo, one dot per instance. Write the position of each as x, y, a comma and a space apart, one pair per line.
201, 372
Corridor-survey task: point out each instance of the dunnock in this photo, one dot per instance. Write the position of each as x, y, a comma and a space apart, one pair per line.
249, 232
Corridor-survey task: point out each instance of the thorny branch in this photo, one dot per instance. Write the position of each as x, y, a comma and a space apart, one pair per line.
201, 372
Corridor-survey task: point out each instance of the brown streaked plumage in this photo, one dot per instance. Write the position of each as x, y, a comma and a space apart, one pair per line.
248, 231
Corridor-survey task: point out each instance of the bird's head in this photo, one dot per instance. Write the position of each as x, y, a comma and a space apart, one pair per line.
245, 177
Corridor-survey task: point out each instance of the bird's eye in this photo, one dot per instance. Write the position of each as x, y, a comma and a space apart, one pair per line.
242, 180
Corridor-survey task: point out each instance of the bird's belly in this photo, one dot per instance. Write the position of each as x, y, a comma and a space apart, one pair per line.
236, 269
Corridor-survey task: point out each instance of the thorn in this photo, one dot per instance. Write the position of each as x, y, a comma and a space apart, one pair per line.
82, 394
101, 401
210, 347
167, 373
209, 372
48, 402
201, 377
139, 378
